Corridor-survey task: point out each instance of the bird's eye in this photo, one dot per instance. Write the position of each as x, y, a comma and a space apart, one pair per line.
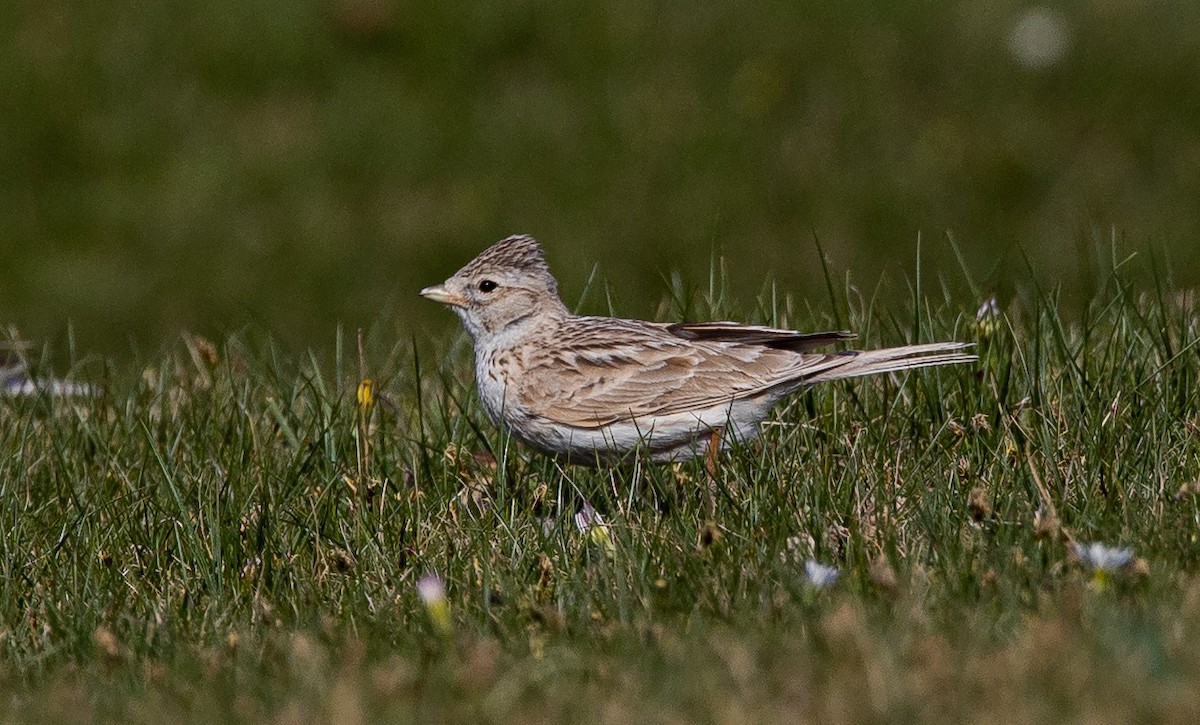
487, 285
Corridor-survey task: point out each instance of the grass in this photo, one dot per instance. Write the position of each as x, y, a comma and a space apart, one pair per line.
226, 533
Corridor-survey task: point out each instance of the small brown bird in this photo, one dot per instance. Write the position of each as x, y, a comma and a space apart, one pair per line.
597, 388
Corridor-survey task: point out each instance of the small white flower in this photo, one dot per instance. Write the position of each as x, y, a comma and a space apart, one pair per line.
431, 589
24, 388
590, 522
987, 318
588, 517
990, 308
1105, 562
432, 592
1102, 557
15, 381
821, 576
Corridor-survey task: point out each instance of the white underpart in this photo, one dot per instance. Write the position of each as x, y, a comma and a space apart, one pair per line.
666, 437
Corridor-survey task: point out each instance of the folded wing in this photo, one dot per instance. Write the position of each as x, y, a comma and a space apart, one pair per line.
603, 371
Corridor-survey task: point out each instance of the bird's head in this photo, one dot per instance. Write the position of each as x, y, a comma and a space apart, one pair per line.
508, 285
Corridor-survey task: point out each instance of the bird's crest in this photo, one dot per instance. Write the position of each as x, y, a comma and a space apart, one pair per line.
519, 251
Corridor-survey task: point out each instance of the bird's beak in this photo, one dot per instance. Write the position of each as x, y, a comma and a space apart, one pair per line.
439, 293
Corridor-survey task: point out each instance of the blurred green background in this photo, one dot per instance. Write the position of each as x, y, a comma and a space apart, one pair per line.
289, 164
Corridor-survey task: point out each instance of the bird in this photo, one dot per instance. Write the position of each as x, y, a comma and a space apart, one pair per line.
594, 390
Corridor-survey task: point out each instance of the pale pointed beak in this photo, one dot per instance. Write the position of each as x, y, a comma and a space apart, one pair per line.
438, 293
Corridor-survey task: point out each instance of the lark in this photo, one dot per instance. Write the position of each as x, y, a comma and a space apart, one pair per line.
596, 389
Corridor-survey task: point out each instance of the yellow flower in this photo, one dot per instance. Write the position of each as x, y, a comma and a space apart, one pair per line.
366, 398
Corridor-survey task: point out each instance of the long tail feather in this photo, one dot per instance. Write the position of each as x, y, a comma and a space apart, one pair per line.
873, 362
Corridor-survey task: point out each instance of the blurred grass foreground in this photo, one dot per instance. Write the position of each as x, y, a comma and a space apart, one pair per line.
291, 164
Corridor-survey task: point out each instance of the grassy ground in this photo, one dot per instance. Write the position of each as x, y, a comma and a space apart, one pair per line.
227, 533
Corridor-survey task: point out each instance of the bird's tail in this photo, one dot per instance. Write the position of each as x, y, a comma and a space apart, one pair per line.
857, 363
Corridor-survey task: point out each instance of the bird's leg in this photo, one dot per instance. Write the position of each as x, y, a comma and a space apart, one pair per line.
714, 449
710, 465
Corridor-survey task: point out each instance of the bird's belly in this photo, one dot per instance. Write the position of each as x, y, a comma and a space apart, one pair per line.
674, 437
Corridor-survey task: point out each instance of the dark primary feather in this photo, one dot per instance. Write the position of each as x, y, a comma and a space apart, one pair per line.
755, 335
